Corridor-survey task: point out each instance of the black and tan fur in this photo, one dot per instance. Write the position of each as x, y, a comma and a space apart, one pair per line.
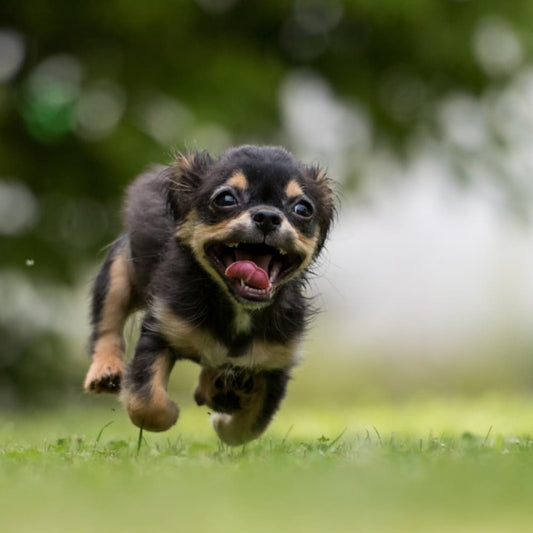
185, 227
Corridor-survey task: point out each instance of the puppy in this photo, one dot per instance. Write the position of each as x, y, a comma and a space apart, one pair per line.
216, 251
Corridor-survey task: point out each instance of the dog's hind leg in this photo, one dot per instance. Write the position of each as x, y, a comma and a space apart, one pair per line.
258, 404
112, 301
145, 384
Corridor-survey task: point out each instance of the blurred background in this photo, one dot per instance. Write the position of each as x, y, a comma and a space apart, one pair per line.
421, 111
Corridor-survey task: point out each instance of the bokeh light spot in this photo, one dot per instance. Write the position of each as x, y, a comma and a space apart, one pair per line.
165, 119
496, 47
12, 51
99, 110
18, 208
51, 92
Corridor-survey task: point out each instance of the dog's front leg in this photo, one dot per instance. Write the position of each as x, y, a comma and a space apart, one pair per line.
111, 304
146, 381
258, 404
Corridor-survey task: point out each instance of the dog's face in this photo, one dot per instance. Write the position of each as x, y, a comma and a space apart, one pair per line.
254, 219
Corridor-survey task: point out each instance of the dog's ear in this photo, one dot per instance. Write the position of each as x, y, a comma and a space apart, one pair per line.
185, 176
320, 187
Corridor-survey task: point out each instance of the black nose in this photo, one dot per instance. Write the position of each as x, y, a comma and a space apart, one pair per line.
267, 220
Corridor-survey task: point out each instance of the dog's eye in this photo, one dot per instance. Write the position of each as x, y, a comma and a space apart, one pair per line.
225, 199
303, 209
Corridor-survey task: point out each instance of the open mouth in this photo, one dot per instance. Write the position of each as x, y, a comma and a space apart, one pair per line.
252, 270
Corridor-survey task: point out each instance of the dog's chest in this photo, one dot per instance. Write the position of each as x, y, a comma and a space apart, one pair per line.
203, 347
257, 355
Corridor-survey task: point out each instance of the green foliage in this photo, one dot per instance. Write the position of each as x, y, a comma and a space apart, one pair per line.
26, 381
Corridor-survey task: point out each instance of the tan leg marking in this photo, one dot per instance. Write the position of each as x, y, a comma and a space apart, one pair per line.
237, 427
105, 372
156, 411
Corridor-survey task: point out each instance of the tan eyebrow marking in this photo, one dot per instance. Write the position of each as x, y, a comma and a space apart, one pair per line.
293, 189
238, 180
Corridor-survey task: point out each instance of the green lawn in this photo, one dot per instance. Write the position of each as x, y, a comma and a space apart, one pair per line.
423, 465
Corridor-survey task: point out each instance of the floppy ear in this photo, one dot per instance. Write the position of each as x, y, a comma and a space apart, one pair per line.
185, 176
320, 186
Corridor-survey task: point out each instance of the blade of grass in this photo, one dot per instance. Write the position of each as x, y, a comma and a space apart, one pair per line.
335, 440
140, 439
487, 436
377, 433
100, 434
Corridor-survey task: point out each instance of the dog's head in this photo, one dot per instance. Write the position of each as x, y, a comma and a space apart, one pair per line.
254, 218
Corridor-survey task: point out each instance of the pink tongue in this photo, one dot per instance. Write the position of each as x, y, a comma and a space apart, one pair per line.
250, 273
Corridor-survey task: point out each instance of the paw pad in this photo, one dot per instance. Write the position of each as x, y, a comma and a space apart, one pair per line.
109, 383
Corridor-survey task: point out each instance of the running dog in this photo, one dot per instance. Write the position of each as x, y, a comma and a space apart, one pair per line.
216, 252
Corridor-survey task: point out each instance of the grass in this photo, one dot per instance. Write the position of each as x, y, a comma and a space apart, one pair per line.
424, 465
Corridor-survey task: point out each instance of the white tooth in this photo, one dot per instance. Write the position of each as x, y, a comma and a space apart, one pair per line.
282, 252
242, 283
274, 272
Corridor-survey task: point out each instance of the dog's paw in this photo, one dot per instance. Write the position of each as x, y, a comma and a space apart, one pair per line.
104, 376
233, 430
153, 414
224, 391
